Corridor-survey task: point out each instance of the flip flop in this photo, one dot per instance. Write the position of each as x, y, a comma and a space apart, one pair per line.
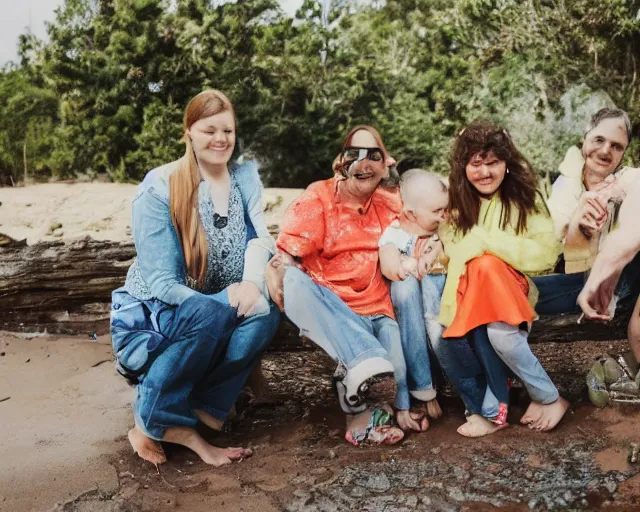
380, 430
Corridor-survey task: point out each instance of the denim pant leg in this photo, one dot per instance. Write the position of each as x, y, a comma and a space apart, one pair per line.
326, 320
196, 333
463, 369
407, 303
220, 388
629, 283
512, 346
495, 369
387, 331
558, 293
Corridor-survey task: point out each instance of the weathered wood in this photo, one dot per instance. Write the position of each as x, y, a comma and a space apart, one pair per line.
65, 287
60, 286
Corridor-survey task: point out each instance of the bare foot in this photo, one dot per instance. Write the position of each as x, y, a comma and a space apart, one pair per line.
208, 420
410, 420
433, 409
146, 448
533, 414
551, 415
477, 426
359, 430
208, 453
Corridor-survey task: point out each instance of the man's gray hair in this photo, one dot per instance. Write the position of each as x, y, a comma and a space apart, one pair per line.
610, 113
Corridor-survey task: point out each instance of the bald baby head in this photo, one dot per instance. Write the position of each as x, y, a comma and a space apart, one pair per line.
425, 198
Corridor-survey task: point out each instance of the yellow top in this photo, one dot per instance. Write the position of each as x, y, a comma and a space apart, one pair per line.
534, 251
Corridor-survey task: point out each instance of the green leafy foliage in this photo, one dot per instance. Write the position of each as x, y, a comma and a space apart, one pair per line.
106, 93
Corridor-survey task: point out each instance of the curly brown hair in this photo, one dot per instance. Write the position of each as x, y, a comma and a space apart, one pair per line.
518, 190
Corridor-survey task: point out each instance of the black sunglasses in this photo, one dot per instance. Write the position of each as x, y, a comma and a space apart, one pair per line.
350, 155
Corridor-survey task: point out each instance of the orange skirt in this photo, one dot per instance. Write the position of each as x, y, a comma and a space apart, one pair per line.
490, 291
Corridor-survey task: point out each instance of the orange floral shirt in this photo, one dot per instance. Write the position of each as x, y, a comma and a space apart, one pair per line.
337, 243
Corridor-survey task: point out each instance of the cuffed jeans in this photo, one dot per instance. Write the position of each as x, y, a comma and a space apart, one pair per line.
364, 345
407, 298
195, 356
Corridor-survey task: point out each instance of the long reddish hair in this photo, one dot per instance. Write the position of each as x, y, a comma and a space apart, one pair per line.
184, 184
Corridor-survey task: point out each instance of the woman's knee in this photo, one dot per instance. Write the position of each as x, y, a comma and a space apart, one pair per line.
504, 338
484, 265
297, 289
201, 312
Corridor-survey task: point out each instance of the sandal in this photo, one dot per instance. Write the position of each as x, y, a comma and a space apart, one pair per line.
380, 430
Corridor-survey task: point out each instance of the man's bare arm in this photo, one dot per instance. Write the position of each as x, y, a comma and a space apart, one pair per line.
619, 248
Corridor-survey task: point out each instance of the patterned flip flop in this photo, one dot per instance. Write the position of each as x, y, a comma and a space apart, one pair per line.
380, 430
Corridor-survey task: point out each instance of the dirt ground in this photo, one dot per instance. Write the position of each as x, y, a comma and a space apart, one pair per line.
65, 414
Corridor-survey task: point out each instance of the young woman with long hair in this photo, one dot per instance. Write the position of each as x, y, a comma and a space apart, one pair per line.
193, 316
500, 233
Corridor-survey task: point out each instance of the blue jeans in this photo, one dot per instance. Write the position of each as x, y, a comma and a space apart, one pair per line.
194, 356
558, 293
470, 363
364, 346
475, 370
407, 302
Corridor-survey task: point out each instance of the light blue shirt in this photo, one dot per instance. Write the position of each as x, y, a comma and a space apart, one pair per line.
159, 270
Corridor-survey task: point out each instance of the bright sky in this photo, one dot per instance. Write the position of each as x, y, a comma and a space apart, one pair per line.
18, 15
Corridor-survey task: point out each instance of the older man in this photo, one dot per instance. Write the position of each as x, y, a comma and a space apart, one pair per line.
620, 248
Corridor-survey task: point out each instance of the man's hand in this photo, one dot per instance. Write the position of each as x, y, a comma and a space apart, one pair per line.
596, 298
244, 296
591, 213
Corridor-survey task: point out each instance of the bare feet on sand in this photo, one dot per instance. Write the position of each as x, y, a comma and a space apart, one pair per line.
208, 453
208, 420
412, 420
545, 417
477, 426
146, 448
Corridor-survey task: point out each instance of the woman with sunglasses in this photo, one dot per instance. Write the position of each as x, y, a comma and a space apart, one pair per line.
326, 277
193, 318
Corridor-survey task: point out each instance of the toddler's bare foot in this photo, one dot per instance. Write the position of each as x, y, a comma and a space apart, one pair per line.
146, 448
551, 415
208, 453
532, 414
208, 420
477, 426
433, 409
411, 420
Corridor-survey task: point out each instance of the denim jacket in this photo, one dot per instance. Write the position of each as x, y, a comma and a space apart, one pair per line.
160, 259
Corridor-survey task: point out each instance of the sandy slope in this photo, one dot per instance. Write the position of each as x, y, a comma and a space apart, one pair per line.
101, 210
63, 409
63, 414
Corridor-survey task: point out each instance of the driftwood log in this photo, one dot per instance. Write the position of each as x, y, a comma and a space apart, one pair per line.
64, 287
